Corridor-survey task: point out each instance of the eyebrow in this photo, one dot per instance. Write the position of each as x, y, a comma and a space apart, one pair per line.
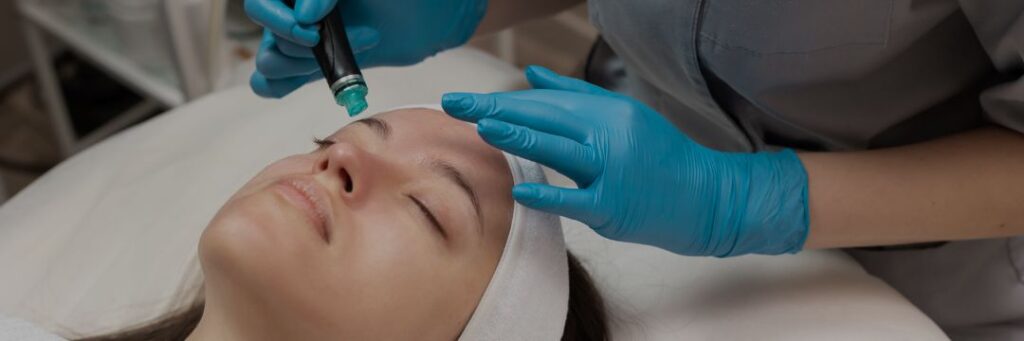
454, 175
382, 128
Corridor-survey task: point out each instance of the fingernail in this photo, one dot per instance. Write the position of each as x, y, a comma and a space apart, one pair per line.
492, 128
456, 103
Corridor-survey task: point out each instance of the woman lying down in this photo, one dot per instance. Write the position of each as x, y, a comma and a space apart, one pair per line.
396, 227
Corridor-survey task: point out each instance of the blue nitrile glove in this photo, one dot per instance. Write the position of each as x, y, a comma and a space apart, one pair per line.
381, 32
640, 179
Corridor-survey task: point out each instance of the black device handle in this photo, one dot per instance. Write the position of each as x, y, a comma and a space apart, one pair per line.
333, 52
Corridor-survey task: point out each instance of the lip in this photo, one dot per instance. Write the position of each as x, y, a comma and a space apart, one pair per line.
308, 197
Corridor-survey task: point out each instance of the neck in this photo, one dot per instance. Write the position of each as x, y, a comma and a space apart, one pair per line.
215, 325
230, 317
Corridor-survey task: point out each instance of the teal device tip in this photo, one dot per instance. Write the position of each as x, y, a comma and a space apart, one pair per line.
353, 98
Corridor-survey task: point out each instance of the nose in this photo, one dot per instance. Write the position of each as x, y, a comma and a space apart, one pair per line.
342, 167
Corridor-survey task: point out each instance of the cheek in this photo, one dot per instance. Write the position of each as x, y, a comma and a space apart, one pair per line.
388, 236
392, 273
385, 250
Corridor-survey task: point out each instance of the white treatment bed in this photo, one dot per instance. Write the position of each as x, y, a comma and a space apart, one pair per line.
109, 236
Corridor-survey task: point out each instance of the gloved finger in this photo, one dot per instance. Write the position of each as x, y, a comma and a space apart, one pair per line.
533, 114
574, 160
277, 88
543, 78
310, 12
361, 38
275, 65
572, 203
276, 16
293, 50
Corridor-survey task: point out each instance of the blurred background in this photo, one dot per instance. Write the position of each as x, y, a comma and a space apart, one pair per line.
74, 72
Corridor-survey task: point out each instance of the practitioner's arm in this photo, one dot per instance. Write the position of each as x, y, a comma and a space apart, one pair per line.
965, 186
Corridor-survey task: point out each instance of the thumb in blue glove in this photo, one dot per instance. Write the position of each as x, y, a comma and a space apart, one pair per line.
639, 178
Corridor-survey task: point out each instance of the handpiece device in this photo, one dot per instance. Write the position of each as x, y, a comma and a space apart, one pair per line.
338, 64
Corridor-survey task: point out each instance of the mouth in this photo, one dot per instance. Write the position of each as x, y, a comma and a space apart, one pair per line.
309, 198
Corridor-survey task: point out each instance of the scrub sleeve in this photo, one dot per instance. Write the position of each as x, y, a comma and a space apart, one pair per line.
838, 75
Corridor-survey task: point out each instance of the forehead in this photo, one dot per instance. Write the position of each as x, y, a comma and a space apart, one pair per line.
431, 127
420, 130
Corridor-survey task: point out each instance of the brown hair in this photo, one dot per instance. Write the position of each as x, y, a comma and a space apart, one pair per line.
586, 319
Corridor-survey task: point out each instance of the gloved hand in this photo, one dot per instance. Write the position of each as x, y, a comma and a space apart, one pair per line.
640, 179
381, 32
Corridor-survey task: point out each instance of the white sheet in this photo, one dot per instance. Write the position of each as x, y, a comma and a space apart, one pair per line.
109, 236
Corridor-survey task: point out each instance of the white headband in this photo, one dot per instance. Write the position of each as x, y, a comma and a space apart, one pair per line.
528, 296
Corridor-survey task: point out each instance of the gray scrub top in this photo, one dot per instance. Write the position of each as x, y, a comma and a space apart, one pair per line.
743, 75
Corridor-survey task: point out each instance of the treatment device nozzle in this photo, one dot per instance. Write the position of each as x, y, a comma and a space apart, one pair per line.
351, 95
338, 64
353, 99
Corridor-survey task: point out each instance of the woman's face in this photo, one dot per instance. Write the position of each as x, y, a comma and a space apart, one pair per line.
390, 229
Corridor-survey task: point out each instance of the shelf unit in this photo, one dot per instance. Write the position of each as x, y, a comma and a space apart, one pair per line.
186, 76
41, 22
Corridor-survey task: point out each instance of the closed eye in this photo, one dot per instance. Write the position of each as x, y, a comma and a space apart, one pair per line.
322, 143
429, 216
